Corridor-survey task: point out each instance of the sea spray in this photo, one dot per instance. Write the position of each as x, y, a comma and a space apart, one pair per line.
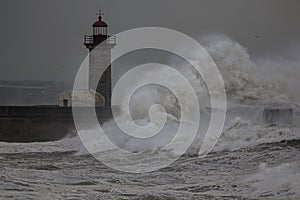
242, 86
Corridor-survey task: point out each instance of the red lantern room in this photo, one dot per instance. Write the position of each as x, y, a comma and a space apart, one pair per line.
100, 34
100, 27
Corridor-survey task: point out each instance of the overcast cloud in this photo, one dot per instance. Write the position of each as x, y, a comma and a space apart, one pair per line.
43, 40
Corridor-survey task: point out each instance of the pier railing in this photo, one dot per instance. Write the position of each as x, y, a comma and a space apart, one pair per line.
112, 40
91, 39
88, 39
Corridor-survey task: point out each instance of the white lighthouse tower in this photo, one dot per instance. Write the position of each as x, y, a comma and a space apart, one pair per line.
100, 58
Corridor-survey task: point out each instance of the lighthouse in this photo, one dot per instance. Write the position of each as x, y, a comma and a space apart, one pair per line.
100, 58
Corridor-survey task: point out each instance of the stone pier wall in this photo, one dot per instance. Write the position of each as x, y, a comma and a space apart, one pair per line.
42, 123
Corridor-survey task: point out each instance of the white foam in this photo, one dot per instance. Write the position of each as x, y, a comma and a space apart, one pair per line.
64, 145
282, 179
242, 87
241, 134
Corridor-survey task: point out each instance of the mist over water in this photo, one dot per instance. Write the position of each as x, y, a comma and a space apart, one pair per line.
247, 95
246, 81
251, 159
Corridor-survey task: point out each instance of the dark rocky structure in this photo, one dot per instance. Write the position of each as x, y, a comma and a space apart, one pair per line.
278, 116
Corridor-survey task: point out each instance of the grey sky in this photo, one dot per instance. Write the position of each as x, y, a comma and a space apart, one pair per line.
42, 39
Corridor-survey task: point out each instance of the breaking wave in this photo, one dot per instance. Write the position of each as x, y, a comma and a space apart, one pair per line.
242, 88
284, 178
240, 72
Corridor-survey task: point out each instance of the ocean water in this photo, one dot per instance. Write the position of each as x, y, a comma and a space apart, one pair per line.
251, 160
256, 169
